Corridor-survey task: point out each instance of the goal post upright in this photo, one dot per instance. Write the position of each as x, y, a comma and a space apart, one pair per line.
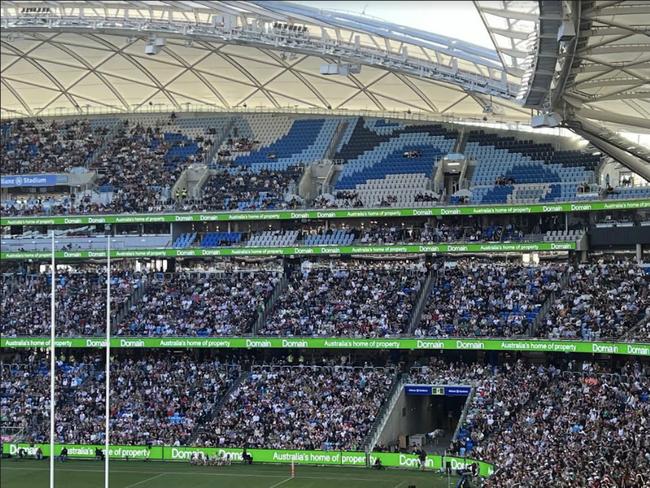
107, 360
52, 360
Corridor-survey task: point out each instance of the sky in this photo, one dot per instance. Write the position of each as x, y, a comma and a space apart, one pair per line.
459, 19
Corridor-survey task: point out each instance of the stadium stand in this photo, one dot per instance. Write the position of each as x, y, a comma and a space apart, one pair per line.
141, 165
602, 300
271, 238
198, 304
330, 238
24, 397
244, 189
347, 298
558, 420
80, 397
514, 171
300, 407
267, 233
80, 301
261, 160
216, 239
487, 299
391, 166
306, 141
158, 400
36, 146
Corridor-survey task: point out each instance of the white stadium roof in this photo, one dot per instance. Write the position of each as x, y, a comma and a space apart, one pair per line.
128, 56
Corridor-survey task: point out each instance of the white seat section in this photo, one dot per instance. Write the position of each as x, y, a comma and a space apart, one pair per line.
271, 238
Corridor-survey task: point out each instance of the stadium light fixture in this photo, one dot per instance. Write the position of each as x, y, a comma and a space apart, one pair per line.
154, 45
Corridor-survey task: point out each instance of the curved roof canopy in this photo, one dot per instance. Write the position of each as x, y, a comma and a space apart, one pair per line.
125, 56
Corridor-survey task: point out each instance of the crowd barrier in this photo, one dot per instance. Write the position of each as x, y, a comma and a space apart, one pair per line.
592, 206
522, 345
274, 456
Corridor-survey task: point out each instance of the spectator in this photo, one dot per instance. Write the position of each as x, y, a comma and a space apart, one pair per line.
487, 299
603, 300
369, 299
191, 304
301, 407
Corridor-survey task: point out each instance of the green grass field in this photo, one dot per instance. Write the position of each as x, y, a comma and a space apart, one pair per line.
90, 474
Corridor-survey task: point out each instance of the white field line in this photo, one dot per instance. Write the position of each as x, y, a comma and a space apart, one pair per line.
281, 482
146, 480
191, 473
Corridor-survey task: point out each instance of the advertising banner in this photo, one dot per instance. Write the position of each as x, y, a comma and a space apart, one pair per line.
277, 456
433, 462
457, 390
88, 451
418, 390
281, 456
529, 345
434, 390
296, 251
332, 214
16, 181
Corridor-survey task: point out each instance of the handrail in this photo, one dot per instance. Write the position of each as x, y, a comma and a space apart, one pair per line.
384, 413
220, 403
463, 415
424, 294
546, 306
269, 305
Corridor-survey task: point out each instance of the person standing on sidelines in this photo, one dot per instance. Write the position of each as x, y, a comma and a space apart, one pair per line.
423, 459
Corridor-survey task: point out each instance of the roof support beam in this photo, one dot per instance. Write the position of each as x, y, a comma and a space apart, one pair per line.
618, 28
618, 49
405, 79
587, 84
509, 14
588, 113
639, 166
16, 96
596, 66
617, 10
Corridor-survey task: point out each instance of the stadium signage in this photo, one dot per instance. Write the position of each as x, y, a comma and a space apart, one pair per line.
276, 456
532, 345
294, 250
457, 390
318, 214
15, 181
598, 348
418, 390
87, 451
424, 390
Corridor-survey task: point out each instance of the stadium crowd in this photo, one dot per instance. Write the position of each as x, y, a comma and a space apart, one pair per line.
24, 396
244, 189
581, 425
136, 165
393, 234
34, 146
25, 404
566, 424
487, 298
159, 399
198, 304
603, 300
347, 298
80, 301
301, 407
80, 387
